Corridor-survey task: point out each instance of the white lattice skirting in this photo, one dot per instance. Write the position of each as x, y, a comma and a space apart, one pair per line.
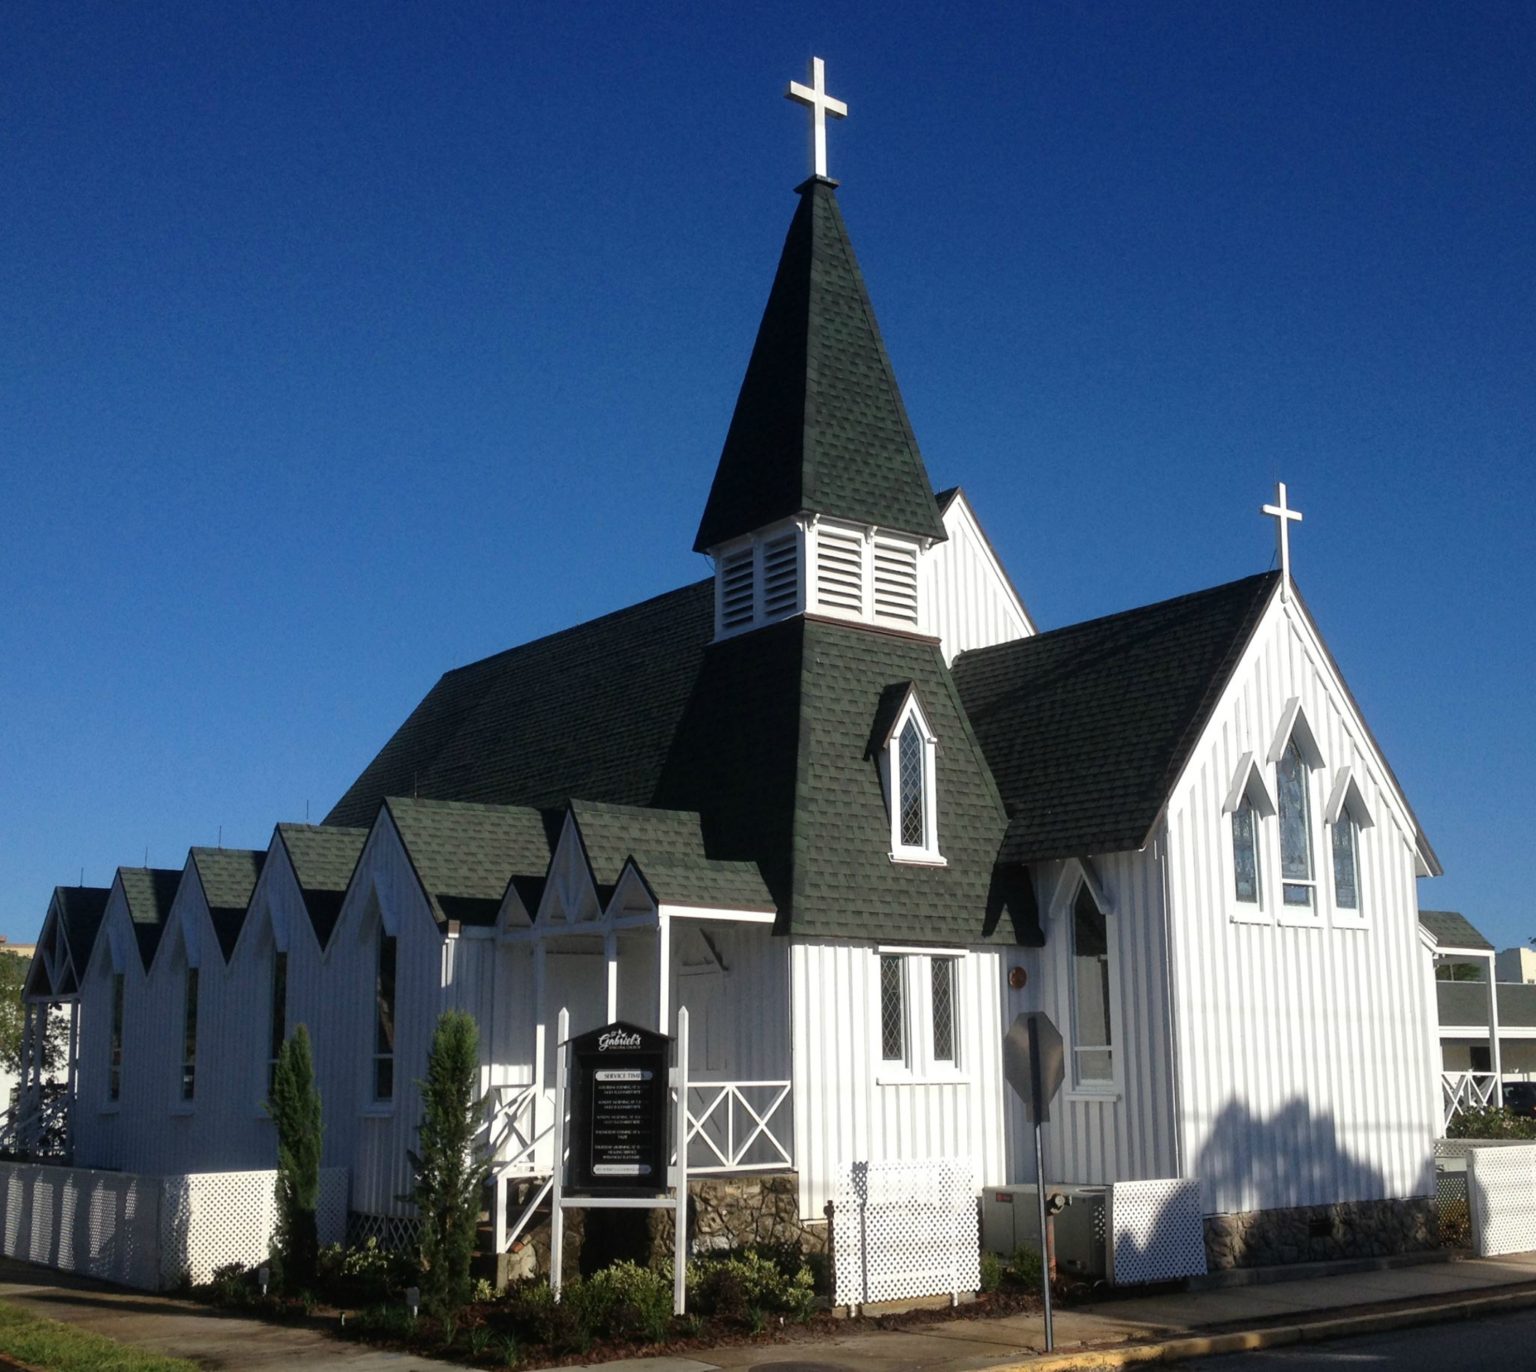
149, 1231
1156, 1231
1501, 1187
905, 1229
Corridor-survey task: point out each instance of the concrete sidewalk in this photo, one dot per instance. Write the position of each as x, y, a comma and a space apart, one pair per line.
1109, 1333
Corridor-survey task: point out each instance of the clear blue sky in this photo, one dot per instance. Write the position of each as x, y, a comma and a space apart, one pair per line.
342, 344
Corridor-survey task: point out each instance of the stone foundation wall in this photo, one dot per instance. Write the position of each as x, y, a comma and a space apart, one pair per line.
723, 1213
1320, 1233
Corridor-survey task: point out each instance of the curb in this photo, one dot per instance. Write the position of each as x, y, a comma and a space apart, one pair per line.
1250, 1340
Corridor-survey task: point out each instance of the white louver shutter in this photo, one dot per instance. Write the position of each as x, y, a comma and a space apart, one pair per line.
896, 582
736, 590
781, 575
840, 571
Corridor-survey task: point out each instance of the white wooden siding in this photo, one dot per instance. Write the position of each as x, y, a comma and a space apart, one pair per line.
844, 1114
1129, 1136
1302, 1045
971, 603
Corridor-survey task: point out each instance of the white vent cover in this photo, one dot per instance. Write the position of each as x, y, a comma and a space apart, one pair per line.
840, 570
896, 581
781, 575
736, 589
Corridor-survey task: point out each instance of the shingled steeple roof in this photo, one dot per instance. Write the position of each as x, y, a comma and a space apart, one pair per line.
819, 423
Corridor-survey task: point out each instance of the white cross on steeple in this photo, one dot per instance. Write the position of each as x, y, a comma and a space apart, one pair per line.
821, 105
1284, 516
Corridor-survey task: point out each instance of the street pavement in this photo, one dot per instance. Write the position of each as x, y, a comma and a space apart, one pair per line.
1106, 1333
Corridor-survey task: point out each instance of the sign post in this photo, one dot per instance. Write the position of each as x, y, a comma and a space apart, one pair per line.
1034, 1064
614, 1091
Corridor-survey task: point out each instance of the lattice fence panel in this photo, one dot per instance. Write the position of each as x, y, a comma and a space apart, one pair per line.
905, 1229
102, 1224
1156, 1231
398, 1233
210, 1219
1501, 1184
1453, 1208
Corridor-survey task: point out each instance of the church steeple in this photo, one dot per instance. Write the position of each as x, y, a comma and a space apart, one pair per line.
819, 428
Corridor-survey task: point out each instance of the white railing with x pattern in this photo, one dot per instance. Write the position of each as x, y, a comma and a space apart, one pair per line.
731, 1126
1463, 1091
514, 1140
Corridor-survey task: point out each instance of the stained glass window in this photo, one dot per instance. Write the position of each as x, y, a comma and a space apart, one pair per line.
384, 1023
189, 1039
943, 981
1092, 1036
115, 1051
1245, 852
279, 1018
910, 765
893, 1011
1346, 888
1295, 826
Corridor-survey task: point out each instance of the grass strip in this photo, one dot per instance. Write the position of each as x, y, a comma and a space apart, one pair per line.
55, 1347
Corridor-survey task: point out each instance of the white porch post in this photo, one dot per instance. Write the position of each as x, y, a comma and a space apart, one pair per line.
611, 959
557, 1181
69, 1071
663, 972
540, 1031
680, 1172
1494, 1059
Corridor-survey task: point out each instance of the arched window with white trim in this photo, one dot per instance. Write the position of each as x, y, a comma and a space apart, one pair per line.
908, 752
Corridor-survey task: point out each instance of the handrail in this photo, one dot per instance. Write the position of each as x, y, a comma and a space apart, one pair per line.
709, 1122
1466, 1091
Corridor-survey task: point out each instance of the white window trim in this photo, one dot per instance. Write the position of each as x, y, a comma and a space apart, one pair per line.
1314, 916
927, 853
1072, 883
919, 1067
1347, 803
1247, 780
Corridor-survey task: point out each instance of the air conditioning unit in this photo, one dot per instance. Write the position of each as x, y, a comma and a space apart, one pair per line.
1010, 1218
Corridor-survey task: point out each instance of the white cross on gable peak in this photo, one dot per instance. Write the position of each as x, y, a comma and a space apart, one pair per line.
821, 105
1284, 517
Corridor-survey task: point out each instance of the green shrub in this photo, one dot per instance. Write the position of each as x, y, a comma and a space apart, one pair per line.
633, 1302
991, 1271
1025, 1267
739, 1284
1493, 1123
295, 1109
449, 1173
364, 1275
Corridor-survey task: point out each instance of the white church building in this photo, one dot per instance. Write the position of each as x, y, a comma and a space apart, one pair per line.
851, 806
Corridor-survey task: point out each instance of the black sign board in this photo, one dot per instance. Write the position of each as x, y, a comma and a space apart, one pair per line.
619, 1135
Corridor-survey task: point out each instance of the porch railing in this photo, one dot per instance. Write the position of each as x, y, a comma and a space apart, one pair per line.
731, 1126
1463, 1091
513, 1136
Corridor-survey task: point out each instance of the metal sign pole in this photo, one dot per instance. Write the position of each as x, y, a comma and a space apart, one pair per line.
557, 1184
1037, 1087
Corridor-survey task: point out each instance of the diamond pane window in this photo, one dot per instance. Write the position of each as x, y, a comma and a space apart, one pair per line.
893, 1011
1295, 826
910, 765
1346, 887
1245, 852
943, 981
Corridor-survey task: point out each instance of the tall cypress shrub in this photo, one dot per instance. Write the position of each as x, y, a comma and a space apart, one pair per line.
295, 1108
449, 1172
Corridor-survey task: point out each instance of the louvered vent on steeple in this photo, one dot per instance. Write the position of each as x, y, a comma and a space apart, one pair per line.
896, 581
840, 571
758, 580
781, 574
736, 589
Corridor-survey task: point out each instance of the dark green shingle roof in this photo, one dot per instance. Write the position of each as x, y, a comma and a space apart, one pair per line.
819, 422
774, 754
228, 876
149, 892
323, 858
466, 853
1452, 930
587, 712
1087, 728
668, 848
81, 908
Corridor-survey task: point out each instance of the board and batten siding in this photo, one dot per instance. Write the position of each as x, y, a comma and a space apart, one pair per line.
971, 603
845, 1113
1096, 1137
1302, 1041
